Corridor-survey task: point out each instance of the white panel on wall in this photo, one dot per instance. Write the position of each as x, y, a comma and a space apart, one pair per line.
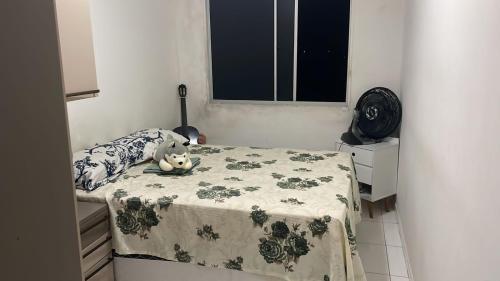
77, 50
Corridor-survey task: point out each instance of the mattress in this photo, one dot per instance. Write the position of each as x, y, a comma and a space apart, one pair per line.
288, 214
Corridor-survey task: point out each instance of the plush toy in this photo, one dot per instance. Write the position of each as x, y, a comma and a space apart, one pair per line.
173, 154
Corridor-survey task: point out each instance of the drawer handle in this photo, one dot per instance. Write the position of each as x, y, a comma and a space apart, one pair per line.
353, 154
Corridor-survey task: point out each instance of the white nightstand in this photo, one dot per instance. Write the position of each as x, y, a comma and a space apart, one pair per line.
376, 166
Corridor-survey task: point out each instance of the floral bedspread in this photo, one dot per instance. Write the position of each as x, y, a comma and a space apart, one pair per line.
289, 214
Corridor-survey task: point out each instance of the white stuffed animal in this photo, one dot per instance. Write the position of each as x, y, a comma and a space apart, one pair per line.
173, 154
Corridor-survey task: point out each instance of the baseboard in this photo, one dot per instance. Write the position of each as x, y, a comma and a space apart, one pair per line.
405, 248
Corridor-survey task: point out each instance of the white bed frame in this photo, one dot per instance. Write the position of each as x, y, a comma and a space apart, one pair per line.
129, 269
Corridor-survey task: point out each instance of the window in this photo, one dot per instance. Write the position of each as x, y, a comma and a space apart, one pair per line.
279, 50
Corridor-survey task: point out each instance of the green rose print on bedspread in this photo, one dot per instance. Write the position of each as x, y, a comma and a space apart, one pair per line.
235, 264
230, 160
297, 183
165, 201
343, 199
181, 255
137, 217
319, 226
206, 232
124, 177
251, 188
119, 193
277, 176
306, 157
258, 216
343, 167
203, 169
283, 246
243, 165
203, 150
217, 192
292, 201
254, 155
232, 179
302, 170
155, 185
204, 183
350, 236
325, 179
356, 206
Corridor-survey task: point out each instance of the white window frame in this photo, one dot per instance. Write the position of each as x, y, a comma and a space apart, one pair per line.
275, 101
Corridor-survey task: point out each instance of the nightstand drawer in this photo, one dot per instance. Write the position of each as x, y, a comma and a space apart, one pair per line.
104, 274
99, 266
91, 235
95, 256
359, 155
106, 236
90, 214
364, 174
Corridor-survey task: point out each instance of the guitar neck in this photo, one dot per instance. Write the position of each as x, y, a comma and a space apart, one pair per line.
183, 112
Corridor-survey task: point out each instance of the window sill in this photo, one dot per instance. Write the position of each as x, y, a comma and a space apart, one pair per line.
278, 103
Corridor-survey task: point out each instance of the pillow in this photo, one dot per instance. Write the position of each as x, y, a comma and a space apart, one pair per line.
96, 166
141, 145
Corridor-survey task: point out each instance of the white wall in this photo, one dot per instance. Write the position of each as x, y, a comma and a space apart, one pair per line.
448, 179
376, 47
137, 69
144, 50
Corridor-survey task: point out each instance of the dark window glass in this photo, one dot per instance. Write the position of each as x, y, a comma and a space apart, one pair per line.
285, 42
242, 44
323, 38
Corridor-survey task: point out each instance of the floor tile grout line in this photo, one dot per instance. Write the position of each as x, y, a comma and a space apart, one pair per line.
406, 265
386, 252
372, 244
381, 221
381, 274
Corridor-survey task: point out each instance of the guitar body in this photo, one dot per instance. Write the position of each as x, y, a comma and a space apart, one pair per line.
189, 132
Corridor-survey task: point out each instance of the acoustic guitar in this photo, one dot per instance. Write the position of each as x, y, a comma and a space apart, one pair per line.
189, 132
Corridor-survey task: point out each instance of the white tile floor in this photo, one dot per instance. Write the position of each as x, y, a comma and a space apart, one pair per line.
380, 246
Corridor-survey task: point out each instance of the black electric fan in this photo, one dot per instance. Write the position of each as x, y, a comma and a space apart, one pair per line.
376, 116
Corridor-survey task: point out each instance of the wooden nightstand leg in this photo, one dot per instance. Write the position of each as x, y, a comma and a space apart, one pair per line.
370, 209
387, 204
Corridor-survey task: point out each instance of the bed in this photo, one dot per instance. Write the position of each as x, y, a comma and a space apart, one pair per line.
280, 213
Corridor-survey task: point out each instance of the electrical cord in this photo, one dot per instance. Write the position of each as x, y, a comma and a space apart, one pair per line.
340, 147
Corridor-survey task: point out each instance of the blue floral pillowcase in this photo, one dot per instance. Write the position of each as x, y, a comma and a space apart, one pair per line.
96, 166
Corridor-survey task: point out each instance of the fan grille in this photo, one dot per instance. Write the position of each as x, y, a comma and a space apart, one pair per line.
379, 113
